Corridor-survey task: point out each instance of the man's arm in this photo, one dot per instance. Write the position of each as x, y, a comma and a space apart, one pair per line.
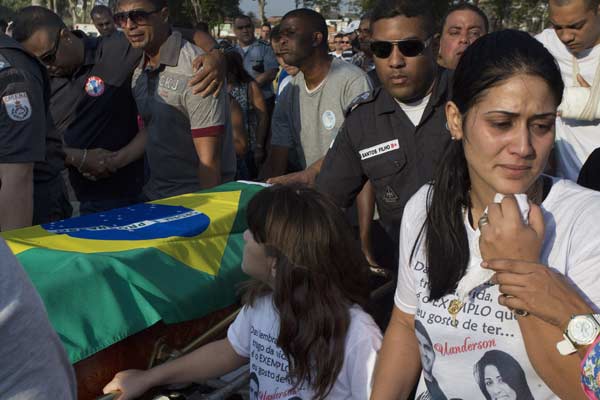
133, 151
22, 142
260, 108
276, 163
208, 120
208, 149
341, 174
266, 77
271, 67
16, 195
281, 137
306, 177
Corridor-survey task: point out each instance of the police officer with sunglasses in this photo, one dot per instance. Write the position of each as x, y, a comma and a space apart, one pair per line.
92, 105
394, 136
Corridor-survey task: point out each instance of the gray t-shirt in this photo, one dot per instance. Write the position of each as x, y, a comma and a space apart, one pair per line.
174, 117
33, 362
307, 122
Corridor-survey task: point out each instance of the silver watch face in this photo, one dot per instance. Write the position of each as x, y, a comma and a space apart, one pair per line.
583, 329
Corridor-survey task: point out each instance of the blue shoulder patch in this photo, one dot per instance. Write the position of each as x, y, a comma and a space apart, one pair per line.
4, 64
362, 98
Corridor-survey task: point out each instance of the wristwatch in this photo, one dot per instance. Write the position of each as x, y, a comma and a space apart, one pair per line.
582, 330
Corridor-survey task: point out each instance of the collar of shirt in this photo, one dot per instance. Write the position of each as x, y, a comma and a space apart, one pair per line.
169, 51
246, 48
440, 94
90, 45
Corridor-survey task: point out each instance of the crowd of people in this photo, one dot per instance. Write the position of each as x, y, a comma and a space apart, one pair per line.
463, 162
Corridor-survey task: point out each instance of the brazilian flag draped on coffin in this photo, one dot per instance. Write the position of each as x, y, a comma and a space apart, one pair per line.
106, 276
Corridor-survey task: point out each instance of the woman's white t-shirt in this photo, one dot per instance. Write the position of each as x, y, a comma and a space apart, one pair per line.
571, 247
254, 334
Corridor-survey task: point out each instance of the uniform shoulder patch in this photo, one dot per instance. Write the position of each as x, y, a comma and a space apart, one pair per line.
17, 106
362, 98
264, 42
4, 64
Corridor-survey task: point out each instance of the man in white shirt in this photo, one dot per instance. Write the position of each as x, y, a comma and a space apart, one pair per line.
574, 41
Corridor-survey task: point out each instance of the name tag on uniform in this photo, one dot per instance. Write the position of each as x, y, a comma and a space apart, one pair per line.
379, 149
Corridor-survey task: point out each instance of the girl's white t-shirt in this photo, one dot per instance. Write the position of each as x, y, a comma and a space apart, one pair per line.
254, 334
484, 350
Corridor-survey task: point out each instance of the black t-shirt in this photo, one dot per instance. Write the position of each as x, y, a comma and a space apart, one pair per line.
27, 133
94, 108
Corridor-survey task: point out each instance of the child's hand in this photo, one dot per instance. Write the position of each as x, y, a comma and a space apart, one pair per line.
131, 384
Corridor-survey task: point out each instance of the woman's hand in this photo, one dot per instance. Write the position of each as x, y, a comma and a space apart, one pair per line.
537, 289
506, 236
131, 384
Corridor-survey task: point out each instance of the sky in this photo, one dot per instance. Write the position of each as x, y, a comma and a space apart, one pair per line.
273, 7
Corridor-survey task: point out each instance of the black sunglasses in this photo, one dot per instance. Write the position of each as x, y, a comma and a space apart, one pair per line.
138, 17
408, 47
49, 57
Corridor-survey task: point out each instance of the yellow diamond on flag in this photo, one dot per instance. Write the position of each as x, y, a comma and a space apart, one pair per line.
192, 228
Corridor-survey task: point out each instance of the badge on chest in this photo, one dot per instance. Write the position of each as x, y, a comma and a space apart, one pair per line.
94, 86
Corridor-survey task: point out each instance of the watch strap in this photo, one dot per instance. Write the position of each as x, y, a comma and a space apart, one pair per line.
565, 346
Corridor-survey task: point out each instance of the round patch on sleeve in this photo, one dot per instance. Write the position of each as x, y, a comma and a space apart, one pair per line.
328, 119
94, 86
17, 106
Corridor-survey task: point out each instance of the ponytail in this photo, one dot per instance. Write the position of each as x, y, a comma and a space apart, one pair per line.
446, 242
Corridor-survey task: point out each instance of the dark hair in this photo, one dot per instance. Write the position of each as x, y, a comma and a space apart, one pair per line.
313, 20
320, 274
3, 25
34, 18
254, 377
338, 35
157, 4
236, 73
99, 10
508, 368
268, 25
464, 6
275, 33
243, 16
491, 60
202, 26
368, 15
408, 8
589, 4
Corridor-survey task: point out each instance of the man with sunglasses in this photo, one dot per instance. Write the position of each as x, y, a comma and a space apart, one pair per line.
92, 104
395, 136
31, 187
189, 140
259, 58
